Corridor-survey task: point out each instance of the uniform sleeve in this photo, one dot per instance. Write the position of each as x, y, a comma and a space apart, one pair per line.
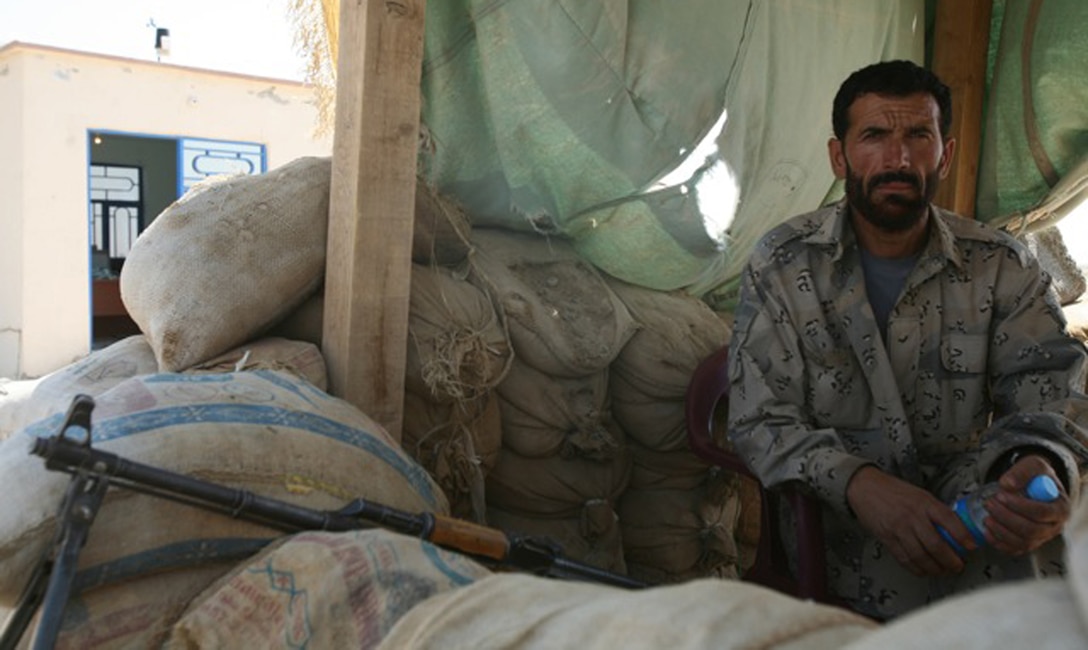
767, 422
1037, 377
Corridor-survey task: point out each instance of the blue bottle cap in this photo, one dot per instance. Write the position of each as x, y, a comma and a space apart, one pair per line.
1042, 488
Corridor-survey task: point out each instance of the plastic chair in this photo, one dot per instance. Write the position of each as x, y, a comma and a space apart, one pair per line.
708, 388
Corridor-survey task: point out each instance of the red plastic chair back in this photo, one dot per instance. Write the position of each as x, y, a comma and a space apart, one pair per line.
708, 389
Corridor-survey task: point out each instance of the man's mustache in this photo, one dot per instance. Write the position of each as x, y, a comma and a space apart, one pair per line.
895, 177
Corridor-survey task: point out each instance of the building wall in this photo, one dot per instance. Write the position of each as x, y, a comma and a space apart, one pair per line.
63, 96
11, 211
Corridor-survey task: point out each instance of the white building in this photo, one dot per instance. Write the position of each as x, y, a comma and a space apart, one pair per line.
94, 147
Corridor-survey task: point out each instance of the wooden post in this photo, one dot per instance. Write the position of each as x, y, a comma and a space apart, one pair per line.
371, 203
961, 39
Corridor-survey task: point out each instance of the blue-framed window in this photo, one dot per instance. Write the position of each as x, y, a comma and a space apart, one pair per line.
200, 158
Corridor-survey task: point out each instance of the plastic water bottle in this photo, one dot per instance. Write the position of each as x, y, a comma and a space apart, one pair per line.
972, 507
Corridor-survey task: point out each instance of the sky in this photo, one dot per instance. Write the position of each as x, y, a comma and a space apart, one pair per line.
252, 37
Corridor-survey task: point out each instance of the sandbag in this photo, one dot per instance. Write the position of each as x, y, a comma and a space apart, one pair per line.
264, 431
591, 536
441, 229
566, 416
15, 400
304, 323
322, 590
562, 318
227, 260
132, 356
678, 535
299, 358
555, 486
677, 470
92, 375
135, 613
457, 443
1049, 248
650, 376
527, 612
656, 422
1036, 614
458, 348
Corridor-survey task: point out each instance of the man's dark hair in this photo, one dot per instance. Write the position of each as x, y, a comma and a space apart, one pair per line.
894, 78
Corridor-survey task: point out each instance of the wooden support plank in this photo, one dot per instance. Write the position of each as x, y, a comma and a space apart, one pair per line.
371, 203
961, 39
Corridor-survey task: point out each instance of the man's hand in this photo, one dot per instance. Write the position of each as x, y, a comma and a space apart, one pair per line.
905, 518
1017, 524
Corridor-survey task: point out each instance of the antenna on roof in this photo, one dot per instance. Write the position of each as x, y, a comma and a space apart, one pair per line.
162, 40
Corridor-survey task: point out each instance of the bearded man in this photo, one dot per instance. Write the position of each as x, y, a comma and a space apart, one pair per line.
889, 356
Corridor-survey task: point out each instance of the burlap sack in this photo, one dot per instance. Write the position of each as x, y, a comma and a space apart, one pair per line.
103, 369
567, 416
591, 536
227, 260
1049, 248
299, 358
562, 317
457, 443
675, 470
440, 232
650, 376
458, 348
264, 431
530, 613
92, 375
15, 400
322, 590
676, 535
135, 613
303, 323
555, 486
655, 422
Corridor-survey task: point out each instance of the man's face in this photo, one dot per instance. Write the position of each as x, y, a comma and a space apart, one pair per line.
892, 158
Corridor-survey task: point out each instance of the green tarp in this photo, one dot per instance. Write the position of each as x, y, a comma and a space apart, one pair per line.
1036, 124
564, 116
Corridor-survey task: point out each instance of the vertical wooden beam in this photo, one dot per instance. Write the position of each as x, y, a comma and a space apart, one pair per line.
371, 203
961, 39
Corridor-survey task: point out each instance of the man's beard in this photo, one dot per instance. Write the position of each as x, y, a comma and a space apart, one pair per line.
898, 213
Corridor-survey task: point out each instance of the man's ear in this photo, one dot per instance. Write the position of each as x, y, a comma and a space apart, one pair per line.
837, 156
946, 157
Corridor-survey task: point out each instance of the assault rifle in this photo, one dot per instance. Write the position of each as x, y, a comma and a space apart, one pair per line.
93, 471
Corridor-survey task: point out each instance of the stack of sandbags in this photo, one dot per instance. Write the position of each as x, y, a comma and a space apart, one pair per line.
267, 432
458, 353
564, 461
679, 517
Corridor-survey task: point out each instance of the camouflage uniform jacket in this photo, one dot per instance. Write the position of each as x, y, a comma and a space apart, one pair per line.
977, 362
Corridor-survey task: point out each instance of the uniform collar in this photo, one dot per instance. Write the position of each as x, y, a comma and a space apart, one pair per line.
836, 232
